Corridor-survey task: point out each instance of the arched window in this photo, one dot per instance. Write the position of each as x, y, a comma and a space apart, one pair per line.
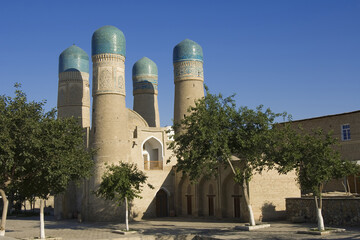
152, 154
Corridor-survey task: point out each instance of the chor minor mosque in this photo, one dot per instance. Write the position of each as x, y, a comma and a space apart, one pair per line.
134, 135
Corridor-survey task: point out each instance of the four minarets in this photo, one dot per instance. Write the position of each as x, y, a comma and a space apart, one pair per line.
110, 135
108, 87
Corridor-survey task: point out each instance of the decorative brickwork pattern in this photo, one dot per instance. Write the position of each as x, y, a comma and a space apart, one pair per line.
108, 74
188, 70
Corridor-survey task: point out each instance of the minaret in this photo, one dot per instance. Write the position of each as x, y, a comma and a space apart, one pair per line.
109, 132
145, 91
188, 76
189, 87
73, 91
73, 101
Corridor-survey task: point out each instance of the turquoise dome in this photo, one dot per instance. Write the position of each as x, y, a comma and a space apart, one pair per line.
108, 39
73, 59
187, 50
144, 66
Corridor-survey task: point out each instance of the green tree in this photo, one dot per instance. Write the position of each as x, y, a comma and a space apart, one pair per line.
122, 183
214, 131
18, 121
315, 158
39, 154
61, 158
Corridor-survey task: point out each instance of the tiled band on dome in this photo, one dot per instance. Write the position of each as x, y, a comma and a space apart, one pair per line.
148, 84
73, 76
108, 74
188, 70
145, 77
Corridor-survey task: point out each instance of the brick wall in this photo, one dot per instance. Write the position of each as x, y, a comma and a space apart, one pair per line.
336, 211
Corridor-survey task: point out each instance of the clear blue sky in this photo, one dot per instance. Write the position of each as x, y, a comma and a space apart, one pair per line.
299, 56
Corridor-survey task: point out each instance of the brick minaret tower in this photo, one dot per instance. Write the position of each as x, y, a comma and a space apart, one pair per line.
188, 76
109, 133
145, 90
73, 101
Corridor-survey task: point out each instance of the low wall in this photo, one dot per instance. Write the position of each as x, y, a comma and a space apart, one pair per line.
336, 211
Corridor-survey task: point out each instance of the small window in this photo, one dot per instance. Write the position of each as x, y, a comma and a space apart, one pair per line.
345, 132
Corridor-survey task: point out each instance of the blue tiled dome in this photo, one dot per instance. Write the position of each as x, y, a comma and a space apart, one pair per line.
144, 66
73, 59
108, 39
187, 50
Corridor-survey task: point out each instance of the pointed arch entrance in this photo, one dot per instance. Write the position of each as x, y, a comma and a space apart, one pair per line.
162, 204
152, 151
237, 198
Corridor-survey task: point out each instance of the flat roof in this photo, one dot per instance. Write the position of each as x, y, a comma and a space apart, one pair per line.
332, 115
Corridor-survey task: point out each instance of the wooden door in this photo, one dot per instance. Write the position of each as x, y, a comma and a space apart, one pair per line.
161, 204
211, 206
189, 204
237, 207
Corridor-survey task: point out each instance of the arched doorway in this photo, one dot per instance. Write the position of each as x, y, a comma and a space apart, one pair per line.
188, 201
237, 196
211, 200
161, 204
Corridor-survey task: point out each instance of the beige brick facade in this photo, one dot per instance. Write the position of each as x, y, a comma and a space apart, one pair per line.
348, 148
121, 134
221, 197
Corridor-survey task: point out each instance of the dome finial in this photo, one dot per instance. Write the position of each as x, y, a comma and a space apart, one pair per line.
73, 59
145, 66
187, 50
108, 39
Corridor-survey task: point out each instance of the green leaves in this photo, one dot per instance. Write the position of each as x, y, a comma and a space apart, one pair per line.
314, 156
19, 123
202, 142
320, 162
39, 154
215, 130
62, 155
122, 181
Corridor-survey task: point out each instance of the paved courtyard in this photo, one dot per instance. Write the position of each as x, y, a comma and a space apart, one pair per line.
165, 228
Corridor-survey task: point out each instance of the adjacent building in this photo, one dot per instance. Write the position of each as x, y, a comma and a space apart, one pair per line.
346, 128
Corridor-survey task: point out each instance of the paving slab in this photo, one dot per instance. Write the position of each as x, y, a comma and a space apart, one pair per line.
6, 238
164, 228
247, 227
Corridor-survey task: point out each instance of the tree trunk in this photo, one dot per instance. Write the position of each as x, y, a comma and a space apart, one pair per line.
42, 224
4, 212
319, 216
320, 220
10, 204
126, 214
246, 196
247, 200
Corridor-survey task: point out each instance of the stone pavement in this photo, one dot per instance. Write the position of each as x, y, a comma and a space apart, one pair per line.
164, 228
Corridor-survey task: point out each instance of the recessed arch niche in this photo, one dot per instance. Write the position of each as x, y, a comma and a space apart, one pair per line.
152, 152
